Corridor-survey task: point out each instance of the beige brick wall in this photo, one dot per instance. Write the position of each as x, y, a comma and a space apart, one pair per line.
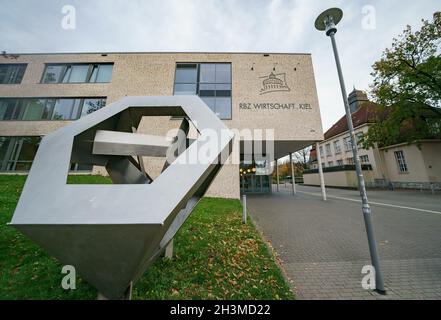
153, 74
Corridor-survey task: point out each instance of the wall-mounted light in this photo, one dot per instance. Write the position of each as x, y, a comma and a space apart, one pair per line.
274, 66
252, 67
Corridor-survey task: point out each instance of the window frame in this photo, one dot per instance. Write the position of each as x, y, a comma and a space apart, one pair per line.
403, 164
68, 67
198, 83
25, 65
23, 102
12, 154
328, 149
347, 142
337, 147
366, 157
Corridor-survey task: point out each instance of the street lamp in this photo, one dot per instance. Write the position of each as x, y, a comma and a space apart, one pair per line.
327, 22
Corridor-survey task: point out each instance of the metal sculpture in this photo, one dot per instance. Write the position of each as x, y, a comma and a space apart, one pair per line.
112, 233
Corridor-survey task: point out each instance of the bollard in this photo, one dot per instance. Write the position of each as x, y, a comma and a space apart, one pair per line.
244, 206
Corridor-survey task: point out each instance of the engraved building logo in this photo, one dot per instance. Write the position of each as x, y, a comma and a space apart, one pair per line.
274, 82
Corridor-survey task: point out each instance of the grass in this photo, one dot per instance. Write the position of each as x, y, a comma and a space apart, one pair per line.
216, 257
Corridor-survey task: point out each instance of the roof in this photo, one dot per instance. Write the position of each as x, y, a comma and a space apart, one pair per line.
153, 52
365, 114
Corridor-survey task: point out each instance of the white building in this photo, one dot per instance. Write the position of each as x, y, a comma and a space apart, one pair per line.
403, 165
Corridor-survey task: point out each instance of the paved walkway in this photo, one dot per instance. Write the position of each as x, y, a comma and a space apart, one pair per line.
323, 245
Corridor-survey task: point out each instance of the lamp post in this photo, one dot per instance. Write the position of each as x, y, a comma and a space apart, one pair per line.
327, 22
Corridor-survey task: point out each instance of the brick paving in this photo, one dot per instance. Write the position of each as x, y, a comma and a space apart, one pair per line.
323, 246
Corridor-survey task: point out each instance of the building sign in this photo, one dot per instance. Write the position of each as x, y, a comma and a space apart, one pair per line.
274, 106
274, 82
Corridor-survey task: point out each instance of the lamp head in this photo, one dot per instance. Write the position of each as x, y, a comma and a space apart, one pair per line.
328, 20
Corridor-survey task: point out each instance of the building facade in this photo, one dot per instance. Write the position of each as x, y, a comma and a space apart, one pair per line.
261, 96
402, 165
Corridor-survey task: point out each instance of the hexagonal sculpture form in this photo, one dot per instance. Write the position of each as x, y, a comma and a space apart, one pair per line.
111, 233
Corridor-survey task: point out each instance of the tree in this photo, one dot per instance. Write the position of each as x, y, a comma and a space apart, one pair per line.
301, 158
407, 88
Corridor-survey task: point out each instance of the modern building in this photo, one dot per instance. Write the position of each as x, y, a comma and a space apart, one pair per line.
262, 96
402, 165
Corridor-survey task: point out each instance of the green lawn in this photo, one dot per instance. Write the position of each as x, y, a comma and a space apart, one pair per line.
216, 257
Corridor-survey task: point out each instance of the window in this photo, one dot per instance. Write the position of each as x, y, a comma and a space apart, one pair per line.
321, 152
337, 147
364, 159
401, 161
48, 108
66, 109
11, 109
92, 105
339, 162
323, 165
328, 150
350, 160
347, 143
210, 81
11, 73
330, 163
77, 73
37, 109
17, 153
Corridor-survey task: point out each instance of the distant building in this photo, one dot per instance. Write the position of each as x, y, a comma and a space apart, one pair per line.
401, 165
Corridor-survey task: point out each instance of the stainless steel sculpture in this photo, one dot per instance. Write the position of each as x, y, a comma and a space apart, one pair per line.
111, 233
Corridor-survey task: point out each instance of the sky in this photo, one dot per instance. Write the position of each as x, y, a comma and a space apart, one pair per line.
367, 28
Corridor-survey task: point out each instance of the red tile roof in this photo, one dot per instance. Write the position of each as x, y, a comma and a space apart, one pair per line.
364, 114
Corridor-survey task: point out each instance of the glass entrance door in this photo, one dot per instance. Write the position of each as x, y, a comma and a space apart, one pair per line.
251, 183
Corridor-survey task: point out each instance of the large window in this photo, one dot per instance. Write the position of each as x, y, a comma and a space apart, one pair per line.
348, 144
210, 81
18, 153
328, 150
401, 161
11, 73
358, 138
364, 159
77, 73
337, 147
48, 108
